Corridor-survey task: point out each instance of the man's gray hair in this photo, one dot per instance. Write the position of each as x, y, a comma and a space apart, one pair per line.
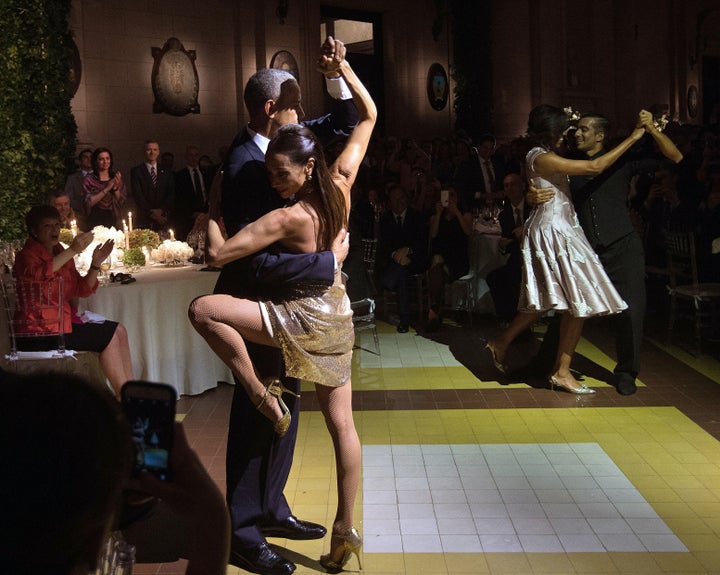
262, 86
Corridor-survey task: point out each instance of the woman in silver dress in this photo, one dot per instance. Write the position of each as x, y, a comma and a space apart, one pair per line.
561, 272
314, 329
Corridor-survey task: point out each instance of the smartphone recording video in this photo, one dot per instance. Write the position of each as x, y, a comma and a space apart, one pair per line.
150, 410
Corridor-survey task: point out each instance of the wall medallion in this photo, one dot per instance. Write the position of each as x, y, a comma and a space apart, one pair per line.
174, 79
284, 60
437, 86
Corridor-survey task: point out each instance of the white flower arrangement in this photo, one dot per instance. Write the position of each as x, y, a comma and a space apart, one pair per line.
100, 235
172, 253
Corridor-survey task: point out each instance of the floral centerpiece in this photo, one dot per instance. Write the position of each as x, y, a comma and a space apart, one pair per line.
141, 238
100, 235
172, 253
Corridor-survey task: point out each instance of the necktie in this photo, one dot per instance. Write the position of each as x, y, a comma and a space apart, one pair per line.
518, 217
153, 176
197, 183
399, 221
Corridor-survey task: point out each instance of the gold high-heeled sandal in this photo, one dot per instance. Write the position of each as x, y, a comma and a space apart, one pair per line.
351, 543
582, 390
275, 387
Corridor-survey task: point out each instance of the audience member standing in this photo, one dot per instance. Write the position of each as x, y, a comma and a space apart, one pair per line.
153, 191
191, 187
104, 192
74, 185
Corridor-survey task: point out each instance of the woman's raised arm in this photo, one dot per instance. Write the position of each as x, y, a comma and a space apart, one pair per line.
345, 168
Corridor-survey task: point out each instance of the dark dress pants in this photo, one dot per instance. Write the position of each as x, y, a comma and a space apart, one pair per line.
395, 278
258, 461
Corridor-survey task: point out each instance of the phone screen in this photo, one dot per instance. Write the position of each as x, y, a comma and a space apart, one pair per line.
150, 410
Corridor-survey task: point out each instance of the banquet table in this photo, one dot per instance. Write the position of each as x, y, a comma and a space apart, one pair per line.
485, 256
165, 348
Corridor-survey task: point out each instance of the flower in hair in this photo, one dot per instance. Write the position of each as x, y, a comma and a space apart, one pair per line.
573, 115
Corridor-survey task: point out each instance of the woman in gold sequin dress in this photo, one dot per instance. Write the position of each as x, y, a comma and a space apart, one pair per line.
313, 328
561, 271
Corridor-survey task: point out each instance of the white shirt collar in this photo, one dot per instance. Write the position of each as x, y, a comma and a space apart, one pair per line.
260, 141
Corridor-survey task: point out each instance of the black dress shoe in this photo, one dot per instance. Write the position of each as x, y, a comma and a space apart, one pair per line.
626, 384
402, 327
260, 559
294, 528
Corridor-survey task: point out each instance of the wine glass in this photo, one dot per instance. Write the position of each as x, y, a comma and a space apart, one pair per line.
105, 266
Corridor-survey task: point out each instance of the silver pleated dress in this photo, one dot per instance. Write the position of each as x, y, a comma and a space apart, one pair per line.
315, 333
561, 271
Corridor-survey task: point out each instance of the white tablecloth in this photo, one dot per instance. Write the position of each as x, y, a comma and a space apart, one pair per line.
484, 257
165, 347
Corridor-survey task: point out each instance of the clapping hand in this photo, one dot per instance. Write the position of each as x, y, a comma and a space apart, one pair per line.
81, 241
101, 252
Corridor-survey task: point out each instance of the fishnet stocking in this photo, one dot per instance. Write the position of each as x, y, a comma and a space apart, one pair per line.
336, 406
226, 322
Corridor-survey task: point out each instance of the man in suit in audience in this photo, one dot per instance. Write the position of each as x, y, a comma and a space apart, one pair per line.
153, 191
491, 167
601, 203
402, 249
74, 186
258, 461
504, 282
191, 188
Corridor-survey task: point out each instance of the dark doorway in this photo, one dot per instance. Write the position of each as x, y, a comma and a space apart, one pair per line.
362, 34
711, 90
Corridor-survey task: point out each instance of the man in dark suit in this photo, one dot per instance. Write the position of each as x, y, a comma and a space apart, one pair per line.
402, 249
258, 461
153, 191
601, 205
504, 282
191, 189
491, 167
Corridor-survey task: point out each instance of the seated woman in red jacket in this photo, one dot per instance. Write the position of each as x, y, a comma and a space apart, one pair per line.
43, 258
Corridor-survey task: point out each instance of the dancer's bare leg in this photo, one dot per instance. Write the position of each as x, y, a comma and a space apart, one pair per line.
519, 324
336, 406
570, 332
226, 322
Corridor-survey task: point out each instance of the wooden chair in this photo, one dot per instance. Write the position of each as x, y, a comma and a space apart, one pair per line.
704, 298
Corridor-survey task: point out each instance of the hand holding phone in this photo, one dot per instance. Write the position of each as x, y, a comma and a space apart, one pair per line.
150, 411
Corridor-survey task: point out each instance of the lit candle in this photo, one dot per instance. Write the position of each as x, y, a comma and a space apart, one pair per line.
130, 221
73, 228
172, 235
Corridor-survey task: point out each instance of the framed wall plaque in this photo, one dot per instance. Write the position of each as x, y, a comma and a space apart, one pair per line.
175, 80
75, 72
284, 60
437, 86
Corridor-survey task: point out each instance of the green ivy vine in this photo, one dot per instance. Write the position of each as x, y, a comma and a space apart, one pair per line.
37, 128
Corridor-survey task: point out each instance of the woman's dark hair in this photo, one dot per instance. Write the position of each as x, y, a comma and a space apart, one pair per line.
299, 144
546, 124
95, 155
37, 214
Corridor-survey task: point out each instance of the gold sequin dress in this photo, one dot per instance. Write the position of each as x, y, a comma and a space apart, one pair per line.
561, 271
315, 333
